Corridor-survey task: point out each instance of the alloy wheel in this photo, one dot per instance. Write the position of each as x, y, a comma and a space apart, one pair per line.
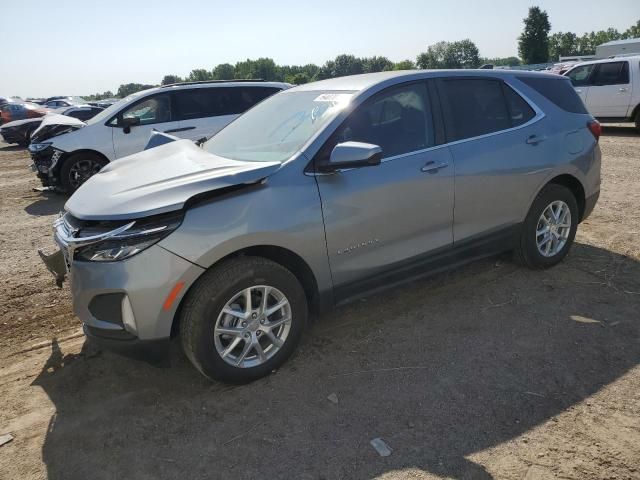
82, 170
253, 326
553, 228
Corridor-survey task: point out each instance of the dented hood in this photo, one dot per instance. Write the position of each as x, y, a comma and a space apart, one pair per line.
160, 180
55, 124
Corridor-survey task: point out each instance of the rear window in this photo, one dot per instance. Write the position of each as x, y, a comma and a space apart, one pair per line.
559, 91
216, 101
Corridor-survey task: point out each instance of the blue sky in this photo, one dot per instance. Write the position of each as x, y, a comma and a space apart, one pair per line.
71, 47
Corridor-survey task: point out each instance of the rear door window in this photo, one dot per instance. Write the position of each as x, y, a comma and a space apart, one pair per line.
218, 101
473, 107
613, 73
243, 98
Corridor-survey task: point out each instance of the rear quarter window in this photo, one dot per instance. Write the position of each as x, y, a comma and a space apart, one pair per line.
558, 91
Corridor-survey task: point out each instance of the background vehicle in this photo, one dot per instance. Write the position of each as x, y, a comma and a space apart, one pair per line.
319, 195
106, 103
11, 111
65, 102
20, 131
610, 88
618, 47
186, 110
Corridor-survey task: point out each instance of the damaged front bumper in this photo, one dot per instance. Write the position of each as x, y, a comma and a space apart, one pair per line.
45, 163
122, 304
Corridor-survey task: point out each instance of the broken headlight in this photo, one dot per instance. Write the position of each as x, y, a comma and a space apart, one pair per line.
38, 147
138, 236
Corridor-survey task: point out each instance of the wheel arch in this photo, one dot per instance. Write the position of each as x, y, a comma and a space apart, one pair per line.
280, 255
575, 186
68, 155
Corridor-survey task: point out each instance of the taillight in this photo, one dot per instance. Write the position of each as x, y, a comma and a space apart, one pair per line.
595, 128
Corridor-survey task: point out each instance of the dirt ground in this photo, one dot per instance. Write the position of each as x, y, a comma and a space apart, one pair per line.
490, 371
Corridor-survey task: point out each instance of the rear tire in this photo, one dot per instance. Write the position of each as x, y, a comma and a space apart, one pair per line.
229, 341
637, 120
545, 240
78, 168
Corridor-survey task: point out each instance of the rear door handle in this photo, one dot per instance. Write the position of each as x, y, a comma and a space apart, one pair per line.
535, 139
622, 90
183, 129
432, 167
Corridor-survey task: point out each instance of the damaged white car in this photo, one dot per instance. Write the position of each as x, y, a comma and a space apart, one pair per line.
66, 151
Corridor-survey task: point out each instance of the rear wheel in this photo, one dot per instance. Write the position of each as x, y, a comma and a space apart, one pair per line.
549, 229
637, 120
78, 168
242, 319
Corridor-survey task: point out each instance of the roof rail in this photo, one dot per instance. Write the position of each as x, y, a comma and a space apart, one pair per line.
200, 82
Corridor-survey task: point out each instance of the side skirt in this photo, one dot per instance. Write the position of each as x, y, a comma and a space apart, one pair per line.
431, 263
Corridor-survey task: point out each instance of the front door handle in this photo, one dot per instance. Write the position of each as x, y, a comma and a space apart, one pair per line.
183, 129
535, 139
622, 89
433, 167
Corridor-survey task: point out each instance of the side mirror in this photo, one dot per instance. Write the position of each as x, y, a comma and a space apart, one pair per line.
352, 155
129, 122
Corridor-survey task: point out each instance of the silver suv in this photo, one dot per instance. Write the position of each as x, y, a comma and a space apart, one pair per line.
318, 195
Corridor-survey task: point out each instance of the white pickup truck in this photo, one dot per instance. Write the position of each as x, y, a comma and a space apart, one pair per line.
609, 88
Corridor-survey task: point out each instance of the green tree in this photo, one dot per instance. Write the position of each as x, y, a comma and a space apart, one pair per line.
376, 64
632, 32
434, 57
404, 65
262, 68
223, 71
460, 54
169, 79
199, 75
502, 61
129, 88
533, 43
563, 44
297, 78
341, 66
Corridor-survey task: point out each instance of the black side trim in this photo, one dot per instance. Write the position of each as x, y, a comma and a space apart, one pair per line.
183, 129
436, 261
155, 352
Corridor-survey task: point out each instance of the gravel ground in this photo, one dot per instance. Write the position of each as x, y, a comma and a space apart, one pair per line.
489, 371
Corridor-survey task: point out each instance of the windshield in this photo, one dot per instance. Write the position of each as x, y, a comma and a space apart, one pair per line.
278, 127
113, 109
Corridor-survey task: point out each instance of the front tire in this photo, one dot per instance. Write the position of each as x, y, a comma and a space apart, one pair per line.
637, 120
242, 319
78, 168
549, 229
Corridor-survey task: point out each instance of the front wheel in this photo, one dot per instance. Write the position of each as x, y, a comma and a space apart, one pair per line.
242, 319
549, 229
78, 168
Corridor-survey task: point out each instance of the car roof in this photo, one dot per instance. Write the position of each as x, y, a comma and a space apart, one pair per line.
368, 80
221, 83
615, 58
